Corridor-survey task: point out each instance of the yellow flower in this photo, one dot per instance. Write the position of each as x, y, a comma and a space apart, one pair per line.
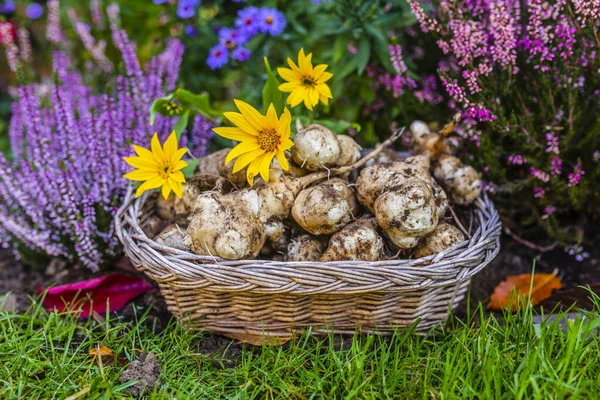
305, 83
159, 167
262, 138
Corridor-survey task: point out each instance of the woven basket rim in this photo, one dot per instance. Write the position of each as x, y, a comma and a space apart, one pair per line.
486, 236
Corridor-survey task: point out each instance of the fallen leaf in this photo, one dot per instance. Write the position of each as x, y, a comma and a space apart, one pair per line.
110, 292
516, 289
101, 351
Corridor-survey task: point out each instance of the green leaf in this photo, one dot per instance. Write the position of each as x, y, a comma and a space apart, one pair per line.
340, 47
181, 124
346, 69
199, 103
363, 55
270, 92
188, 171
158, 106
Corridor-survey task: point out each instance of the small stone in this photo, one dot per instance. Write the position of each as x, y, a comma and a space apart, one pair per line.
145, 370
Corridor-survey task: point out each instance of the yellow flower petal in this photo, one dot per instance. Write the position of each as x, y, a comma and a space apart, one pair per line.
287, 144
318, 70
233, 134
325, 76
141, 175
307, 68
176, 187
166, 190
241, 122
241, 148
283, 127
142, 163
243, 160
289, 86
295, 68
297, 96
307, 103
288, 75
177, 176
265, 165
253, 169
179, 165
324, 99
170, 146
250, 113
314, 96
271, 116
324, 90
282, 160
157, 150
149, 185
178, 155
145, 154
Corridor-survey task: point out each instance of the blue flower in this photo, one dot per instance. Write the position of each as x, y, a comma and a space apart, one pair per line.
241, 54
187, 8
34, 11
8, 7
271, 21
190, 30
218, 57
232, 37
159, 1
248, 20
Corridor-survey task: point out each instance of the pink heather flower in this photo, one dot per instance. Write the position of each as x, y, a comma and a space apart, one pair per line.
517, 159
24, 43
489, 187
587, 10
53, 31
556, 167
552, 143
352, 49
542, 176
396, 59
538, 192
575, 176
455, 91
468, 41
503, 31
478, 113
596, 156
8, 40
548, 211
427, 23
429, 91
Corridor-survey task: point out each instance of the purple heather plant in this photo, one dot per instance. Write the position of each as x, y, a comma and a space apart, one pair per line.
60, 191
525, 76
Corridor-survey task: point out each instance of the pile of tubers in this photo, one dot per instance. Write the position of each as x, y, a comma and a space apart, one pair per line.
332, 204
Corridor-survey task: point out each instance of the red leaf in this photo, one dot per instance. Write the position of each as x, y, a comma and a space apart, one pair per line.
107, 292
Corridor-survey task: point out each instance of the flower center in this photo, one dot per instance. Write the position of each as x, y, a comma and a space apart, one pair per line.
268, 140
269, 20
165, 171
248, 21
308, 81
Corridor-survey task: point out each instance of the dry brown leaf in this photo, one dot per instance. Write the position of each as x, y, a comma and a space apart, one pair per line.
101, 351
504, 298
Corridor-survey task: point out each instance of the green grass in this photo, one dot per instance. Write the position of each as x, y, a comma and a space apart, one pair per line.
45, 355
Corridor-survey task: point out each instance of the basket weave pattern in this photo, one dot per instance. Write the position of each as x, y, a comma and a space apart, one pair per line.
255, 297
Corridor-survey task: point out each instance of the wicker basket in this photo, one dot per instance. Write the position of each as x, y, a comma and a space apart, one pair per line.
247, 299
